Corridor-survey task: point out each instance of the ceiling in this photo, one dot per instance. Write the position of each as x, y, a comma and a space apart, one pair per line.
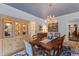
42, 10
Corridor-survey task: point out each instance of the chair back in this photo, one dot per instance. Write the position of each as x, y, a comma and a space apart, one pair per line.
62, 39
57, 34
28, 48
50, 35
34, 37
40, 36
58, 42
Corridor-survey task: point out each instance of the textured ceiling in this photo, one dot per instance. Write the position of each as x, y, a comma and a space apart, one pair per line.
42, 10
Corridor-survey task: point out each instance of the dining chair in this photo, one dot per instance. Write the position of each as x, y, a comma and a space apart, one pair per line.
34, 37
61, 40
50, 35
58, 48
32, 50
28, 49
57, 34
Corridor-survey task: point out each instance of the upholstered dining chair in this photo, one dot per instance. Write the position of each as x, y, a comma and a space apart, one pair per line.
57, 34
32, 50
28, 48
50, 35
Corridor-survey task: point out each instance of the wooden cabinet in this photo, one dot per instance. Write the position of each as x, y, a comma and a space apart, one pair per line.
73, 35
73, 30
12, 32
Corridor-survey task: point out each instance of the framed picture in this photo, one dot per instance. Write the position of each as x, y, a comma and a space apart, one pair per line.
53, 27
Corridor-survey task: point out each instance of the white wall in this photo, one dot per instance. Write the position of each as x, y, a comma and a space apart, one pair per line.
64, 21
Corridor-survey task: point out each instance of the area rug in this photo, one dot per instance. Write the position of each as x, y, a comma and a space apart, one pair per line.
66, 51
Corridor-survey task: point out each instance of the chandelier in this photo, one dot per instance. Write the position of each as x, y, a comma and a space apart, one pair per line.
51, 19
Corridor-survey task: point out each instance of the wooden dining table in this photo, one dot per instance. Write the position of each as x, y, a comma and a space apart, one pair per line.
54, 43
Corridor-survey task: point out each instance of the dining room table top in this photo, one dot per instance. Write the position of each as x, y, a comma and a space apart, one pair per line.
45, 43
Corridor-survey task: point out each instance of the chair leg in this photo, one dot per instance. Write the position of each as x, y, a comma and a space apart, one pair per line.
49, 53
33, 51
59, 49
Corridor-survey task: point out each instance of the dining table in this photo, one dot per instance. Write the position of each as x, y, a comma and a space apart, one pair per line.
49, 44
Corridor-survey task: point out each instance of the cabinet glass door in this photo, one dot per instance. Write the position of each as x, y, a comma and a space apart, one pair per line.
8, 29
32, 28
17, 28
24, 29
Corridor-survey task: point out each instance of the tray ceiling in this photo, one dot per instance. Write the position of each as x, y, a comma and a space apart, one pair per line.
42, 10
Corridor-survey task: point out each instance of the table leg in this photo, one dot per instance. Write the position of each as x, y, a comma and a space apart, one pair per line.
49, 54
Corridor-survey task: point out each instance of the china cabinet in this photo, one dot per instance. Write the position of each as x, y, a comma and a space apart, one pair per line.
12, 33
73, 32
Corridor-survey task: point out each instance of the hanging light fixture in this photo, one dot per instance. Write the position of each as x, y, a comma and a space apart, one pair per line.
51, 19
